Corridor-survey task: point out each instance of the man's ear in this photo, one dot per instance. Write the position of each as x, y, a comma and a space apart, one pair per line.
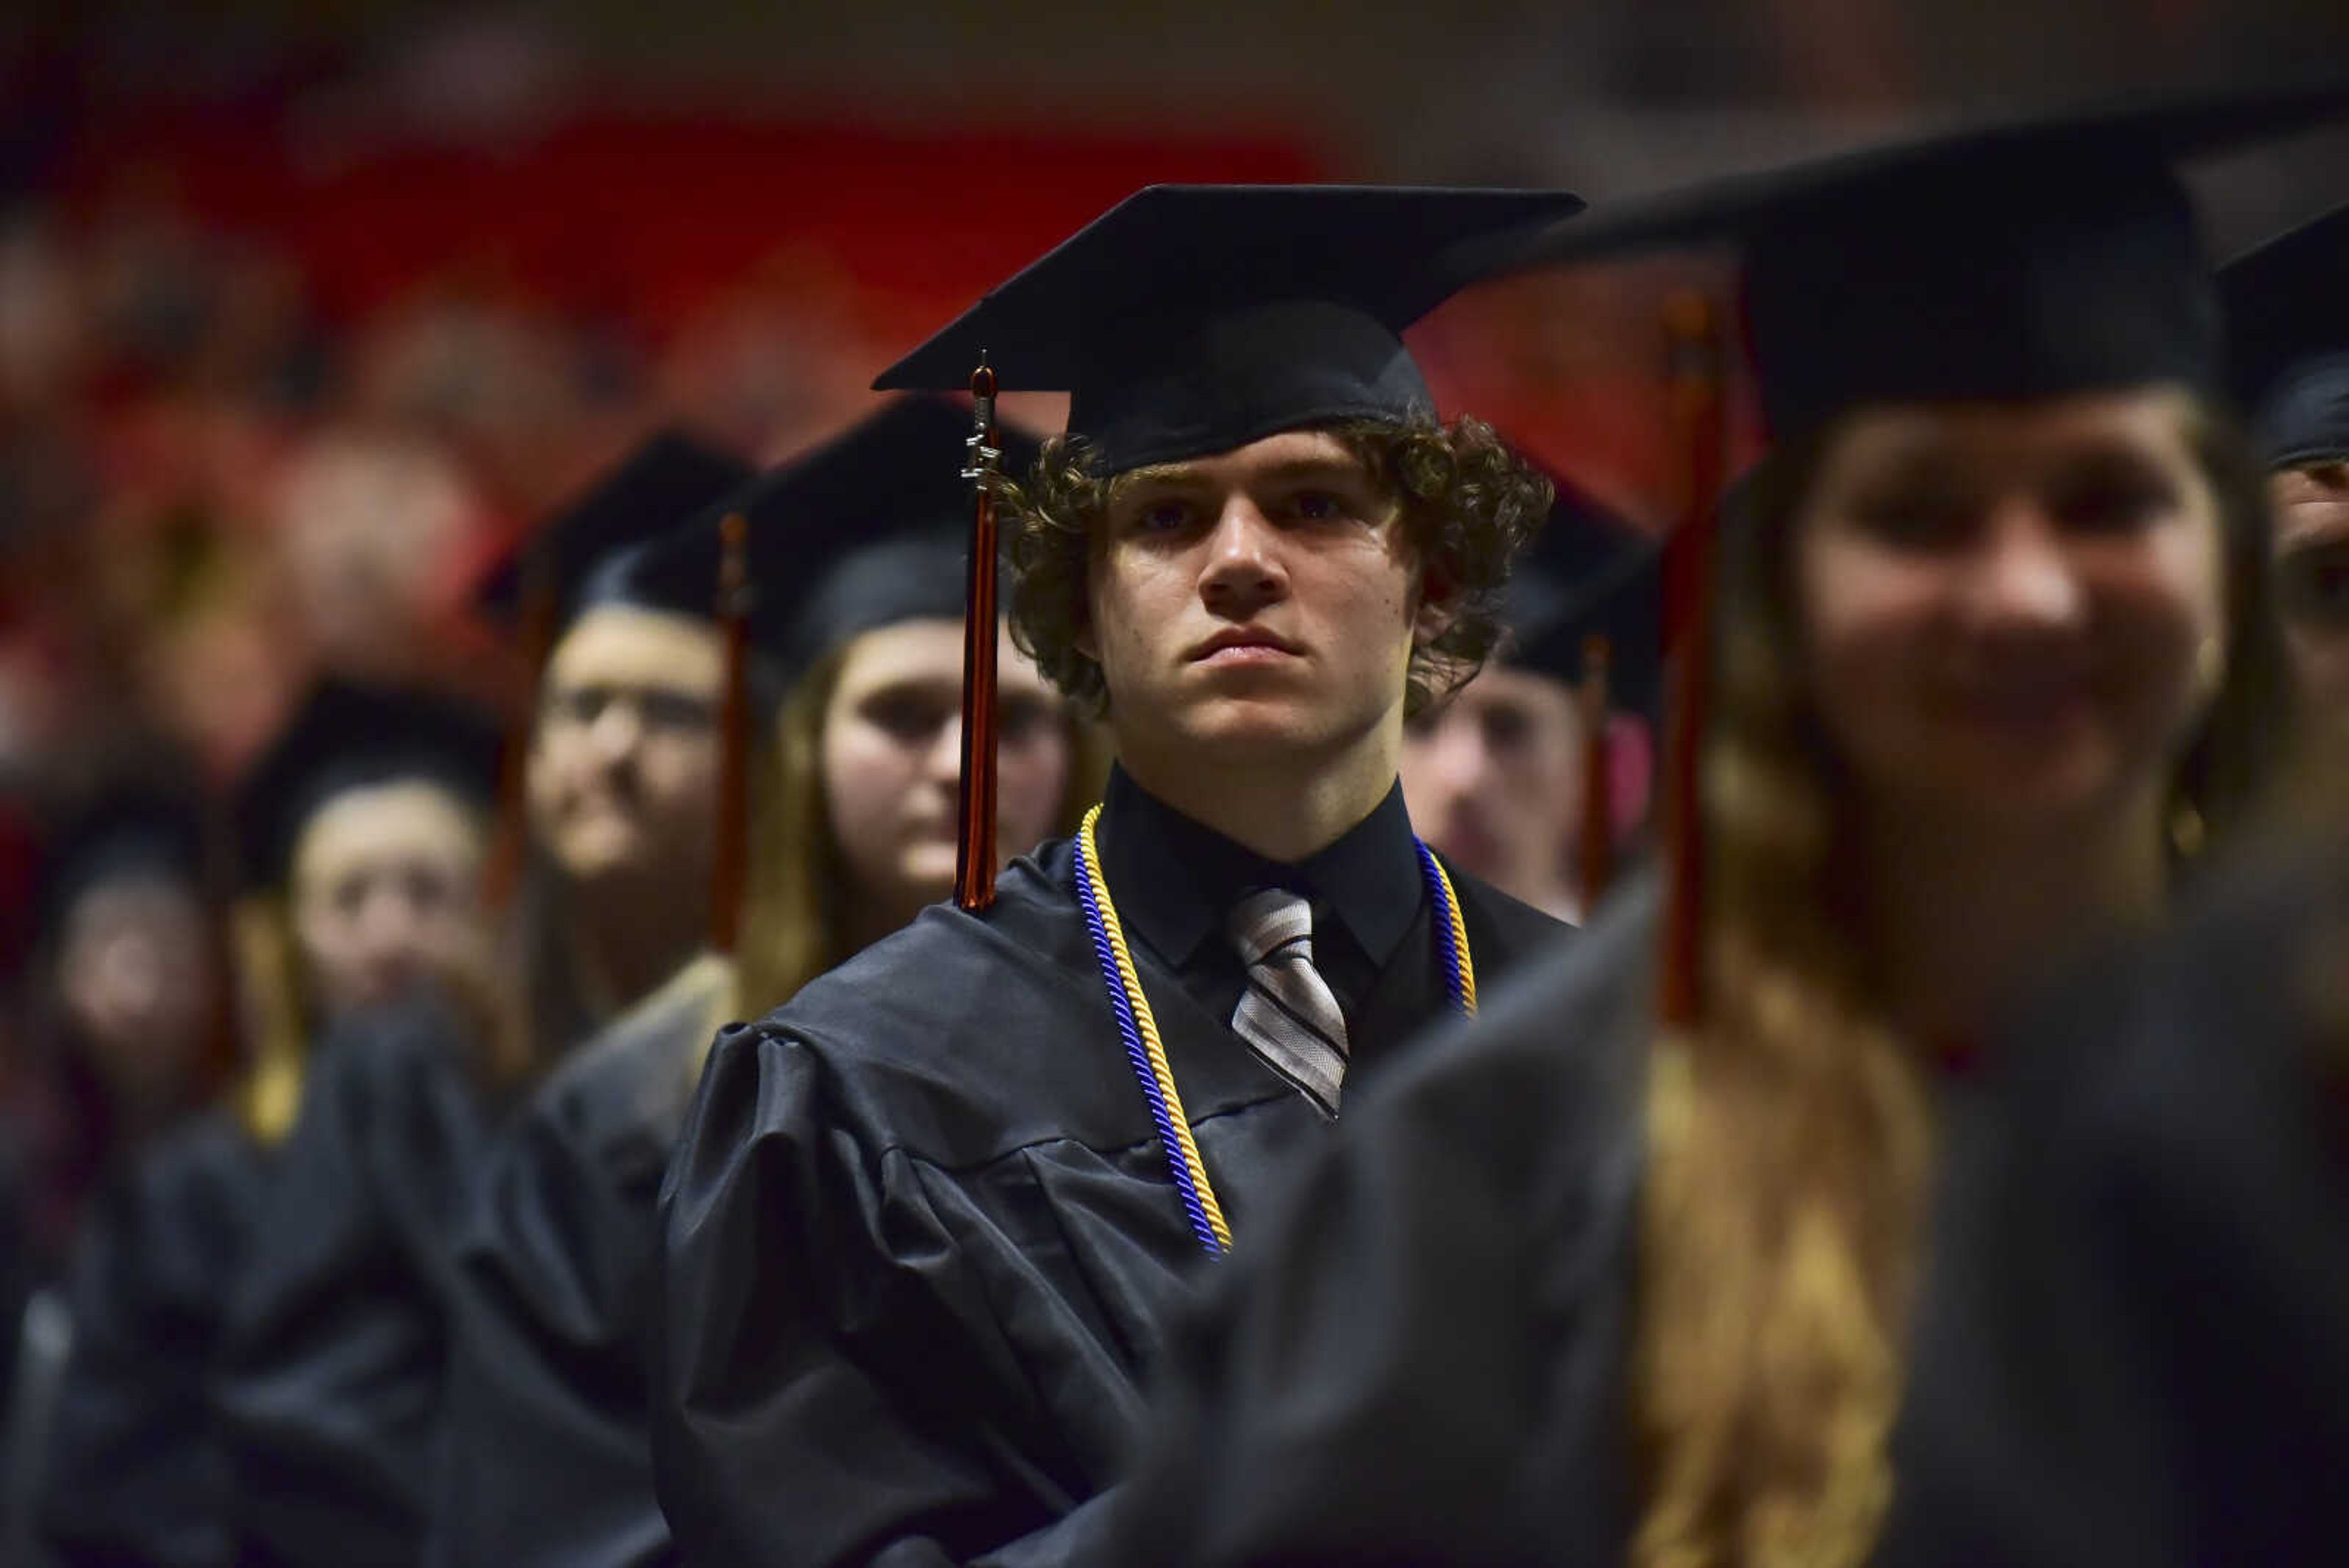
1439, 606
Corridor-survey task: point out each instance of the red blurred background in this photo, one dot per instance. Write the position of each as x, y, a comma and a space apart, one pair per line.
306, 309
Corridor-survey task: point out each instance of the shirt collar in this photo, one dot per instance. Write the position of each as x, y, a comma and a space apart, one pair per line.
1174, 880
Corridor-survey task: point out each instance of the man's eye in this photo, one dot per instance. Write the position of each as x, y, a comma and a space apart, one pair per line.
581, 705
676, 713
1505, 729
1161, 517
1318, 504
2313, 586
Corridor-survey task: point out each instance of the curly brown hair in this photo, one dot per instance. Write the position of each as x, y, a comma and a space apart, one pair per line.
1466, 504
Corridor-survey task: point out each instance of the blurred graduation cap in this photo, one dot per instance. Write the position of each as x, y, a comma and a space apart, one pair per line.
567, 563
2287, 308
2028, 259
2032, 259
121, 829
347, 737
1589, 574
869, 529
1191, 320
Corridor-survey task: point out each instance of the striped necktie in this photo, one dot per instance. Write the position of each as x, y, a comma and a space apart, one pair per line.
1288, 1015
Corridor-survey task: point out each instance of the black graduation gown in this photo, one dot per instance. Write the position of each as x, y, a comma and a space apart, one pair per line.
2134, 1342
135, 1470
1424, 1360
548, 1458
921, 1244
337, 1335
2130, 1347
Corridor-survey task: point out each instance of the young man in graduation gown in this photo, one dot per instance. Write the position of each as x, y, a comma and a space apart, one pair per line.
927, 1221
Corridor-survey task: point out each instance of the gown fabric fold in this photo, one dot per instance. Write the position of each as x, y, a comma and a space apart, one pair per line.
548, 1457
337, 1339
1424, 1360
136, 1471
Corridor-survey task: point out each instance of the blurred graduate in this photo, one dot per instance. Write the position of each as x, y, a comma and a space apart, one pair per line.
360, 829
1534, 773
2287, 330
338, 1329
855, 565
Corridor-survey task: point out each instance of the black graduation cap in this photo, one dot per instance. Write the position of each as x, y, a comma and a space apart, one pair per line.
2021, 260
1191, 320
1590, 573
665, 481
120, 828
2287, 305
871, 528
347, 737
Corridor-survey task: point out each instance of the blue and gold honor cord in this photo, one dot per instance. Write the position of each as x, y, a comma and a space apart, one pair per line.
1138, 1027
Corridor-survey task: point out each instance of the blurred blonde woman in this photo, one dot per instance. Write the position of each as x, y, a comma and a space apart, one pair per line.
857, 553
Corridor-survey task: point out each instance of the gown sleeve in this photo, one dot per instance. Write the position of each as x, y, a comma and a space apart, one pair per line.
337, 1335
546, 1459
815, 1402
136, 1472
2129, 1346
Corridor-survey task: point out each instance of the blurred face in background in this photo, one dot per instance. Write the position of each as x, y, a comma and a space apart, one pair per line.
2312, 563
385, 894
137, 977
892, 759
2013, 615
623, 758
1494, 778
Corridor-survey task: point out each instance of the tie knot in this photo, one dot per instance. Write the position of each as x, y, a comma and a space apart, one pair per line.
1268, 923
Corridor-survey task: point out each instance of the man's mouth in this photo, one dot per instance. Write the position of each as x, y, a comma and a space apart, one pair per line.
1244, 645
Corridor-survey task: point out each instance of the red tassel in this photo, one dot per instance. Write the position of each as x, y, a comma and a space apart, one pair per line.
975, 805
732, 846
1694, 338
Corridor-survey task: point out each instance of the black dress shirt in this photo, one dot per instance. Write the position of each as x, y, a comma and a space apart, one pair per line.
1174, 882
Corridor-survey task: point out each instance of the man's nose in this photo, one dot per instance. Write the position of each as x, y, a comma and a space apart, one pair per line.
1243, 571
619, 731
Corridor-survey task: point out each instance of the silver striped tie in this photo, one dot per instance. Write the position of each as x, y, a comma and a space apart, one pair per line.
1288, 1015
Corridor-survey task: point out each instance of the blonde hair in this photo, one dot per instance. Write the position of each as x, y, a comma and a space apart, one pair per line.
1792, 1136
278, 1018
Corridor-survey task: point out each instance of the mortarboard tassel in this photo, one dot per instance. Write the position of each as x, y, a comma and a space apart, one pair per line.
1598, 842
510, 840
732, 845
974, 806
1694, 338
